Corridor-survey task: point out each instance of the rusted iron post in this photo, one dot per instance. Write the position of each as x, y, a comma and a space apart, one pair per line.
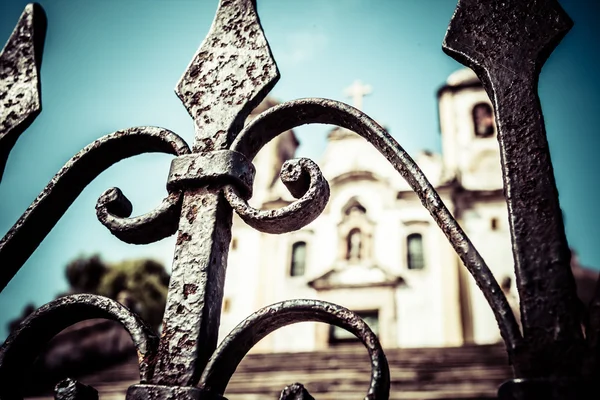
230, 75
506, 43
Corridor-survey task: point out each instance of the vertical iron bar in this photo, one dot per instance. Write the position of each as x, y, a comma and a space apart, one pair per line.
506, 43
548, 297
231, 73
196, 290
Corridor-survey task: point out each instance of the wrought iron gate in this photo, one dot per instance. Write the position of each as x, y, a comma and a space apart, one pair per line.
504, 42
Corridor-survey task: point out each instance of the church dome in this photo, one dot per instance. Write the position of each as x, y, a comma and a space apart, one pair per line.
463, 76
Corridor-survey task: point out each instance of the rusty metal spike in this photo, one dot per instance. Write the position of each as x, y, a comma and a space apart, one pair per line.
20, 92
506, 43
495, 36
231, 73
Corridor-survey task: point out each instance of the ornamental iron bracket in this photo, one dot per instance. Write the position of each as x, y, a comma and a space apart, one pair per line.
505, 43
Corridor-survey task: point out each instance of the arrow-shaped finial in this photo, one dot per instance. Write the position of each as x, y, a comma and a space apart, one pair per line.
20, 60
490, 34
232, 71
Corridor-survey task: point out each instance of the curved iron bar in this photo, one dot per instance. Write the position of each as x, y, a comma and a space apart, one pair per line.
296, 174
41, 216
236, 345
113, 209
25, 344
291, 114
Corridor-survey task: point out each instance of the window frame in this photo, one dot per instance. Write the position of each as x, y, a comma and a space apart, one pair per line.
408, 252
294, 246
474, 120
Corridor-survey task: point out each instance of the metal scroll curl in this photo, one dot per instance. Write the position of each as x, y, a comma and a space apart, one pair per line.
25, 344
305, 181
114, 208
236, 345
41, 216
291, 114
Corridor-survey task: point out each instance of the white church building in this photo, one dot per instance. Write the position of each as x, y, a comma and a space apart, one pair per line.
375, 249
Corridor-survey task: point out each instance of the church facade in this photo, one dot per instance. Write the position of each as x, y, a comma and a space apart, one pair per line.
375, 249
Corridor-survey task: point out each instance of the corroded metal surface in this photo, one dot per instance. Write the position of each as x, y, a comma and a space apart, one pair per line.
295, 391
25, 344
198, 170
41, 216
305, 181
232, 71
113, 210
506, 43
69, 389
229, 76
20, 88
236, 345
156, 392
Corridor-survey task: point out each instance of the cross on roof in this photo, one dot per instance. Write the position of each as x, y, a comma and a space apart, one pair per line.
357, 91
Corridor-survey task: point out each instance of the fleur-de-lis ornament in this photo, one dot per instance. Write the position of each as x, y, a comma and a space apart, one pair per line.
231, 73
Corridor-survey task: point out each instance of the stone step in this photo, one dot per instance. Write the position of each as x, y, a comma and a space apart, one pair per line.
470, 372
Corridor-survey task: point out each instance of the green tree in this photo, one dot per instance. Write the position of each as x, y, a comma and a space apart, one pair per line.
85, 273
141, 285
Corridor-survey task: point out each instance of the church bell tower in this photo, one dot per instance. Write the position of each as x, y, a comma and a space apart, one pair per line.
468, 131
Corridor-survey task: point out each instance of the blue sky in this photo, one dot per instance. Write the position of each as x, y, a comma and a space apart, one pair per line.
113, 64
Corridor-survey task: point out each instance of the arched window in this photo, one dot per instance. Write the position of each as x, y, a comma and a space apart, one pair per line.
483, 120
354, 207
354, 245
298, 263
414, 251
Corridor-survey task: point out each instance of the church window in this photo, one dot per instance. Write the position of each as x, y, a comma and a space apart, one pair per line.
355, 233
355, 208
298, 263
354, 245
340, 335
494, 224
414, 251
483, 120
226, 304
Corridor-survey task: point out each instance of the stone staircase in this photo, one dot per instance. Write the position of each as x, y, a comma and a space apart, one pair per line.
468, 372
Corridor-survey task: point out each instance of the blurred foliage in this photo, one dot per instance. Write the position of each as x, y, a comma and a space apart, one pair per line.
84, 274
14, 324
140, 284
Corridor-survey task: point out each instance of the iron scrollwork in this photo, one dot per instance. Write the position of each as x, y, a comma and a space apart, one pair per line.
231, 73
